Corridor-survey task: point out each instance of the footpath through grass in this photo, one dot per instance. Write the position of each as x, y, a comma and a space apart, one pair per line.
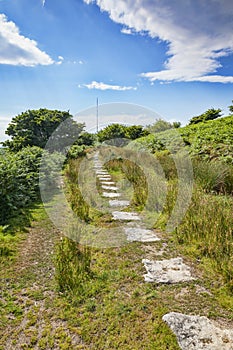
111, 307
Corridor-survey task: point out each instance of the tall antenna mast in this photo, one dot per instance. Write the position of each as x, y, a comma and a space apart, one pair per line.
97, 115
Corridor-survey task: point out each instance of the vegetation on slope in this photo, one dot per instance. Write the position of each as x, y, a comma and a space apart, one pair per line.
209, 140
97, 298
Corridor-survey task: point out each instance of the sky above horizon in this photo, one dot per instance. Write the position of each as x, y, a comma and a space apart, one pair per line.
174, 58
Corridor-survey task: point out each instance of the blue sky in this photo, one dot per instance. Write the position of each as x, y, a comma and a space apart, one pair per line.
172, 57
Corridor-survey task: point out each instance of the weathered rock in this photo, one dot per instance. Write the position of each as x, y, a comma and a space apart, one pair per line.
140, 234
118, 203
167, 271
196, 333
111, 194
123, 215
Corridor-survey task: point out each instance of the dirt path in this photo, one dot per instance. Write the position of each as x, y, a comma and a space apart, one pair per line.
30, 292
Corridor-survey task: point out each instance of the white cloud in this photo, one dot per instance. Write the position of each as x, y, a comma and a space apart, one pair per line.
16, 49
43, 3
103, 86
127, 31
198, 33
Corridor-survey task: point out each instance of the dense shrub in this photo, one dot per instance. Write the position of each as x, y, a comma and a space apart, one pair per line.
19, 180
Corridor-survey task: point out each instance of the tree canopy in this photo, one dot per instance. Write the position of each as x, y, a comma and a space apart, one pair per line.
210, 114
119, 131
162, 125
35, 127
231, 108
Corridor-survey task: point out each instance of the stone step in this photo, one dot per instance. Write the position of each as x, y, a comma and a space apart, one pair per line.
106, 183
140, 234
111, 194
127, 216
104, 178
118, 203
167, 271
102, 172
110, 188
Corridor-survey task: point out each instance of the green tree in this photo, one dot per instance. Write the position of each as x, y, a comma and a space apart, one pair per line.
231, 108
119, 131
135, 131
210, 114
86, 139
176, 125
113, 131
159, 125
35, 127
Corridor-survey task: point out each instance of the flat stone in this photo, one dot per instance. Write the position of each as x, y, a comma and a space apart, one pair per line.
111, 194
104, 177
107, 183
102, 172
97, 167
118, 203
140, 234
110, 188
167, 271
123, 215
198, 332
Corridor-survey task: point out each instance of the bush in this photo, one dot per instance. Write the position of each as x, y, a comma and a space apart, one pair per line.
19, 178
76, 151
19, 175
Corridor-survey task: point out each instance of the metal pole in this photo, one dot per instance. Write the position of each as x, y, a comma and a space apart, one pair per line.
97, 115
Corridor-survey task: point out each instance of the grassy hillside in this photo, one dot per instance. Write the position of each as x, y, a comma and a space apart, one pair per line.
208, 140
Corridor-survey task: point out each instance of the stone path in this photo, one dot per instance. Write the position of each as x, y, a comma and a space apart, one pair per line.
192, 332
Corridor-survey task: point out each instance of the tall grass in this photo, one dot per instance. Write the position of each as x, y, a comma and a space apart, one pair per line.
77, 202
135, 175
72, 266
214, 176
208, 226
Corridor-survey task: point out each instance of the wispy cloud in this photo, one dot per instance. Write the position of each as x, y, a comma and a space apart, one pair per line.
61, 59
103, 86
16, 49
43, 3
198, 34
